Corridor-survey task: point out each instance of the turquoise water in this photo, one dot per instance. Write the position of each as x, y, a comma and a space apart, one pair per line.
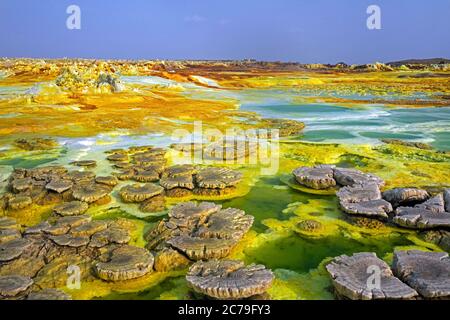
331, 123
368, 124
10, 92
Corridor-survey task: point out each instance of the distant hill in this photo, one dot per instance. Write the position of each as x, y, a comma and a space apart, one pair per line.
419, 61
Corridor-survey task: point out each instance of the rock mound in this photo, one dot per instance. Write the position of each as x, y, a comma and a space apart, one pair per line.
229, 279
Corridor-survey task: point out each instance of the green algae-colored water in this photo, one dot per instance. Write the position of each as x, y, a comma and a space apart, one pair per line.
154, 292
261, 203
300, 254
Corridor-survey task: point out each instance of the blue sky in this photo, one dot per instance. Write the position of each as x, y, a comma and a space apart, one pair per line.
309, 31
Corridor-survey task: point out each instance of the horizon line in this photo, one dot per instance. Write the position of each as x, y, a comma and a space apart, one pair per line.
222, 60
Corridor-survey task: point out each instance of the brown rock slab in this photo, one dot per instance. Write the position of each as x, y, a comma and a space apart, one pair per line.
84, 163
70, 240
349, 177
13, 285
13, 249
363, 199
146, 176
181, 181
374, 208
405, 196
109, 236
88, 229
38, 228
64, 224
139, 193
319, 177
426, 272
21, 184
418, 218
229, 279
217, 178
191, 210
90, 192
210, 192
107, 180
197, 248
350, 277
122, 164
435, 204
125, 263
19, 202
8, 223
200, 231
124, 174
230, 223
117, 157
71, 208
78, 176
9, 234
180, 170
359, 193
180, 192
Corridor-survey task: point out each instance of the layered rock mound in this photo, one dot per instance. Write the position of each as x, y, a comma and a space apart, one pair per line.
360, 194
229, 279
124, 263
351, 277
328, 176
14, 286
44, 252
427, 272
200, 231
364, 199
430, 214
405, 196
148, 164
70, 191
319, 177
140, 193
32, 144
415, 274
